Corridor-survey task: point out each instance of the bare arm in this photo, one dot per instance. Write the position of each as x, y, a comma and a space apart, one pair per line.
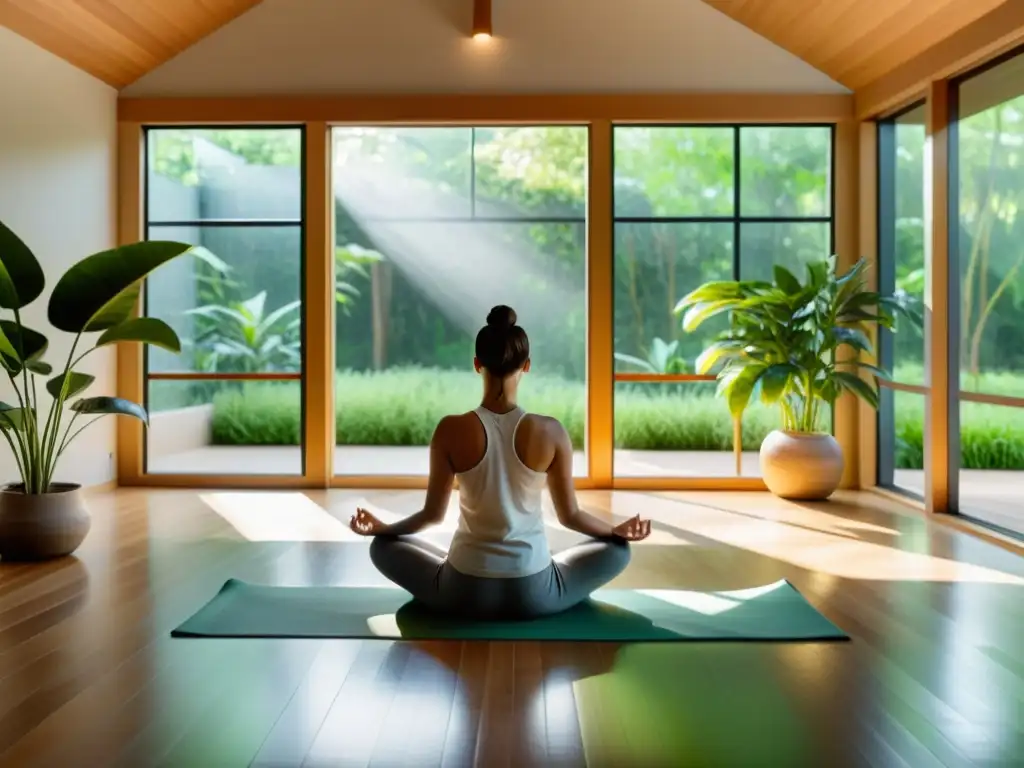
564, 495
439, 489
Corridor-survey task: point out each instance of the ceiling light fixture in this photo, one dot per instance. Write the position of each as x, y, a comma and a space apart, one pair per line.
482, 19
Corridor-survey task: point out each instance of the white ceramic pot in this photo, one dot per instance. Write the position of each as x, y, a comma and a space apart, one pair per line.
801, 465
42, 526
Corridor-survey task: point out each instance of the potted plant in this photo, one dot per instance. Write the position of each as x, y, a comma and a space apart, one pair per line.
40, 517
783, 344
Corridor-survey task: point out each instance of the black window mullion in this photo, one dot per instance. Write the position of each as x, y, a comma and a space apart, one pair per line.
886, 216
736, 197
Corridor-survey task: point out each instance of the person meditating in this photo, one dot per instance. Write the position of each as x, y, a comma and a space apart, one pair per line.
499, 565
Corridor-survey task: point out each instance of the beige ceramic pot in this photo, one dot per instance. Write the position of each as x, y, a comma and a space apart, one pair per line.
800, 465
42, 526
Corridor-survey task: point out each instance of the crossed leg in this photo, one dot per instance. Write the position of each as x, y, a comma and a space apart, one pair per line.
417, 566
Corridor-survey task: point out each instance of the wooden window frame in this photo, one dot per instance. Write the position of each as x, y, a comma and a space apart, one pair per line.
599, 113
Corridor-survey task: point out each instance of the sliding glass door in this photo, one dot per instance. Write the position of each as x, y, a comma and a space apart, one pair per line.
902, 269
988, 337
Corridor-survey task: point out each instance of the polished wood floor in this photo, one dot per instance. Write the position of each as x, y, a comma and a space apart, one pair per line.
934, 676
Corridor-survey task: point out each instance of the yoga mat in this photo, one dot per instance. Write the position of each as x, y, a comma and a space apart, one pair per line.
773, 612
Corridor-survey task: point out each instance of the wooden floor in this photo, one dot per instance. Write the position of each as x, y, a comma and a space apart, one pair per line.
89, 675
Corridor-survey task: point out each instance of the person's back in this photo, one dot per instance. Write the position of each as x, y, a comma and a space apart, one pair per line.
499, 564
501, 525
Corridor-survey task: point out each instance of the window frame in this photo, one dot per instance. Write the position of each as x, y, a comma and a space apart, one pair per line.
146, 224
737, 219
885, 203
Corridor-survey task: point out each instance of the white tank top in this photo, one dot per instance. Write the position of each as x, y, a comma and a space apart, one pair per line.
501, 525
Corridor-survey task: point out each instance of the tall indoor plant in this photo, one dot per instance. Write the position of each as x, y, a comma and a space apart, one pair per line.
40, 517
785, 343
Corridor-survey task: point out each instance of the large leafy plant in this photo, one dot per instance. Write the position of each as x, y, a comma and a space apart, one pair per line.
95, 296
786, 337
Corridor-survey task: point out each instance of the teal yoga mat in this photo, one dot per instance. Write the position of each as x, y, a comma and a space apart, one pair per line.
775, 612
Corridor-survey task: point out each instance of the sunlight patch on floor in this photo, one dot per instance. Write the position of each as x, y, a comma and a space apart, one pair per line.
709, 603
805, 546
261, 516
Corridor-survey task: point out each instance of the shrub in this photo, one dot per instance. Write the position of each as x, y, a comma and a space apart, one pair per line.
402, 406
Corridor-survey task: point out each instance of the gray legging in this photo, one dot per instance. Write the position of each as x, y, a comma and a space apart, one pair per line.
422, 569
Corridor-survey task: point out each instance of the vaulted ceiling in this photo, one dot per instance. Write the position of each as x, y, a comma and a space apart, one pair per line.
855, 41
118, 41
852, 41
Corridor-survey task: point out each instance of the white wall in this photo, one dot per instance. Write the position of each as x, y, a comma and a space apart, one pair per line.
541, 46
57, 192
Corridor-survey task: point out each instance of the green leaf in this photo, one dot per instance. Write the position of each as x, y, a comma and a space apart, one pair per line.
41, 367
819, 272
716, 352
880, 373
211, 260
30, 344
76, 383
786, 280
857, 386
15, 418
775, 380
21, 276
723, 290
100, 291
739, 386
7, 350
852, 337
111, 405
636, 362
145, 330
698, 313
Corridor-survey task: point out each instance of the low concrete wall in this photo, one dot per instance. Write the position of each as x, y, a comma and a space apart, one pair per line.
180, 430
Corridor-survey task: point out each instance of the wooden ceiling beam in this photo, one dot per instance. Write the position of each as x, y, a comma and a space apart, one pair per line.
856, 41
993, 34
118, 41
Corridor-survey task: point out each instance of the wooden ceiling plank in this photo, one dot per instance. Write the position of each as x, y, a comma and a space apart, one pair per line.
84, 54
993, 34
856, 41
135, 27
862, 27
118, 41
890, 51
825, 28
77, 21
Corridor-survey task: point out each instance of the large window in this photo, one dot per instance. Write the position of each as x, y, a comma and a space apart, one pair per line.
230, 403
434, 226
901, 270
693, 204
988, 337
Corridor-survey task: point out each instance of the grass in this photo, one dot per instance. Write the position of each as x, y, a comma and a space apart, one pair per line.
402, 406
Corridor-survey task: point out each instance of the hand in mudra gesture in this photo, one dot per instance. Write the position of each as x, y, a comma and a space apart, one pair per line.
366, 524
633, 529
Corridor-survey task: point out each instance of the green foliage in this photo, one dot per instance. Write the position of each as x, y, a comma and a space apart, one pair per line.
785, 337
239, 335
401, 407
243, 337
173, 151
661, 358
351, 261
96, 294
21, 277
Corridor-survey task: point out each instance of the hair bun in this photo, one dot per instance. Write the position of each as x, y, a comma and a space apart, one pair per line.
501, 317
